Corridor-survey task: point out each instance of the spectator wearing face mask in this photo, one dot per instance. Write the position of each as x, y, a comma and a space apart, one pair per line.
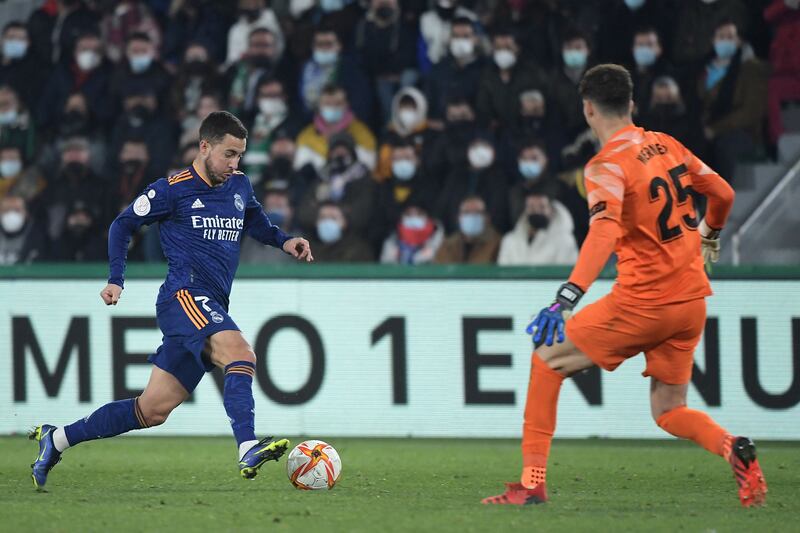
332, 239
333, 115
132, 170
16, 123
449, 149
532, 170
141, 66
535, 24
407, 185
196, 75
408, 124
15, 178
21, 239
309, 16
481, 176
279, 210
784, 81
503, 81
329, 65
386, 44
536, 118
344, 180
667, 113
649, 63
74, 182
252, 14
733, 92
260, 60
575, 54
542, 235
18, 67
89, 73
54, 27
122, 20
416, 239
458, 73
141, 120
475, 241
279, 174
272, 115
624, 18
695, 21
435, 28
83, 238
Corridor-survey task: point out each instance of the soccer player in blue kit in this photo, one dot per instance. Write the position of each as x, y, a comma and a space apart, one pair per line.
203, 212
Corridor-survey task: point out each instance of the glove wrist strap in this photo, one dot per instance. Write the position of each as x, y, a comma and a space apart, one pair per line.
569, 295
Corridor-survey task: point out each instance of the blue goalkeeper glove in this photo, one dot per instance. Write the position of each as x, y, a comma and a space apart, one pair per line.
550, 320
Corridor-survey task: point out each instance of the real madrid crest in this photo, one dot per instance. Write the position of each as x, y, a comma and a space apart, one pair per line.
238, 202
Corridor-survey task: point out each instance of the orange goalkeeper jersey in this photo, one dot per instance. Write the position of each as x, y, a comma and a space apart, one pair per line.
649, 183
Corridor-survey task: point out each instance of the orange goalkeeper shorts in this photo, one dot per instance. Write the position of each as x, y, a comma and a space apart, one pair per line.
609, 333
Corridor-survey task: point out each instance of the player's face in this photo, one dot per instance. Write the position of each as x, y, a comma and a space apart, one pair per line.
223, 158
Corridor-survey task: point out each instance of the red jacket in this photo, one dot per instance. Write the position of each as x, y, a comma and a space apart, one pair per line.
784, 53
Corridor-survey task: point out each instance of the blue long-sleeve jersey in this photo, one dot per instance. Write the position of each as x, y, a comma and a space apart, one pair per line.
201, 231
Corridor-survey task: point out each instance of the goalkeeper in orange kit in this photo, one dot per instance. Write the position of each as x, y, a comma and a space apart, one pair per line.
642, 189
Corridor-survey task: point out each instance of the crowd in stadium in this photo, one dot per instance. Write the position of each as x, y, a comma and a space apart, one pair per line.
399, 131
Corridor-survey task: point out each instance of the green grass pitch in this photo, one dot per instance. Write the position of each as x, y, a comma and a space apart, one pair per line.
191, 484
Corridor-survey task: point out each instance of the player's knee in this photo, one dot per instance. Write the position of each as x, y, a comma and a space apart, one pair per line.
155, 416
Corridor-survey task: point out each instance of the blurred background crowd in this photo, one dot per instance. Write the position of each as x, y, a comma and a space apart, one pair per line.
399, 131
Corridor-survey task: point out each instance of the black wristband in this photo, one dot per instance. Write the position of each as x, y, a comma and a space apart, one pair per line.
569, 295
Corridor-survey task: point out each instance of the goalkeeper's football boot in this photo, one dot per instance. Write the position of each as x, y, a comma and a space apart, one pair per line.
747, 472
48, 455
267, 449
517, 494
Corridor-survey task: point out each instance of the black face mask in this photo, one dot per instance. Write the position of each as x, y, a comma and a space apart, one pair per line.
131, 166
75, 170
670, 110
260, 61
281, 167
384, 12
460, 129
139, 114
538, 221
73, 123
195, 67
250, 14
532, 125
79, 231
445, 13
339, 164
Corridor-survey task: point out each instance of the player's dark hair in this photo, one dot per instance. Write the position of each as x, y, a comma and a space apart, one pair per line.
14, 25
220, 123
609, 87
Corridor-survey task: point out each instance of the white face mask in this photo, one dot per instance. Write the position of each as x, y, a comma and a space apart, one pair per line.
8, 117
10, 167
407, 117
461, 48
414, 221
504, 58
87, 60
480, 156
12, 221
272, 106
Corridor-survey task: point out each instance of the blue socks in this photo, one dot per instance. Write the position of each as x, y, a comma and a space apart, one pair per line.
237, 396
109, 420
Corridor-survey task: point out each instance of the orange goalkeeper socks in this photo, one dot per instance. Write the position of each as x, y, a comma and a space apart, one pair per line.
696, 426
540, 421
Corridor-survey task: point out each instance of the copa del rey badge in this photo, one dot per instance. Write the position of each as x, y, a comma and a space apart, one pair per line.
142, 205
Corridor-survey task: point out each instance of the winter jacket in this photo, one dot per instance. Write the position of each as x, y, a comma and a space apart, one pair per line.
784, 52
480, 251
392, 248
498, 101
554, 245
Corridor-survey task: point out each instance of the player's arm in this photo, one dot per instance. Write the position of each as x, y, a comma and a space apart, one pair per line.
152, 205
259, 227
719, 197
605, 187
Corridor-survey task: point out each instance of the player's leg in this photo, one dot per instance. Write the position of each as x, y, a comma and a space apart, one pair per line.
162, 394
230, 351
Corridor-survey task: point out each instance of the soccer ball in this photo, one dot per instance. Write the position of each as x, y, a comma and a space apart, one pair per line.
313, 465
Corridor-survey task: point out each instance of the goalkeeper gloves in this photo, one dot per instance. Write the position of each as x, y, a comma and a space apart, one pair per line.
550, 320
709, 243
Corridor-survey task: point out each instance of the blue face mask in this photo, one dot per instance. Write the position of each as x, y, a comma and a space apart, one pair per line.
331, 115
277, 217
331, 5
403, 169
644, 55
633, 5
574, 58
325, 57
725, 48
14, 48
471, 224
140, 63
329, 230
530, 169
8, 117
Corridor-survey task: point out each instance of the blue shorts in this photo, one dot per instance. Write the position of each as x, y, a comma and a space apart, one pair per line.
187, 320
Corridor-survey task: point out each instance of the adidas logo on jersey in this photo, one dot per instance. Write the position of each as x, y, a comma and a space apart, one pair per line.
197, 204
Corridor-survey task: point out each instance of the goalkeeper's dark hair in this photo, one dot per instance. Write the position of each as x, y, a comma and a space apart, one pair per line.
609, 88
220, 123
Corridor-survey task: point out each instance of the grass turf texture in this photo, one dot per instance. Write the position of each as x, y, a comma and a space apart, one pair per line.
191, 484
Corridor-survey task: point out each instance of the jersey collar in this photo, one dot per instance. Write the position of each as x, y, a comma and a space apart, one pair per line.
198, 176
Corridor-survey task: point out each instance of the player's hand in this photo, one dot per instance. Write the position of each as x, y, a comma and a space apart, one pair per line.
549, 322
709, 244
111, 294
298, 248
